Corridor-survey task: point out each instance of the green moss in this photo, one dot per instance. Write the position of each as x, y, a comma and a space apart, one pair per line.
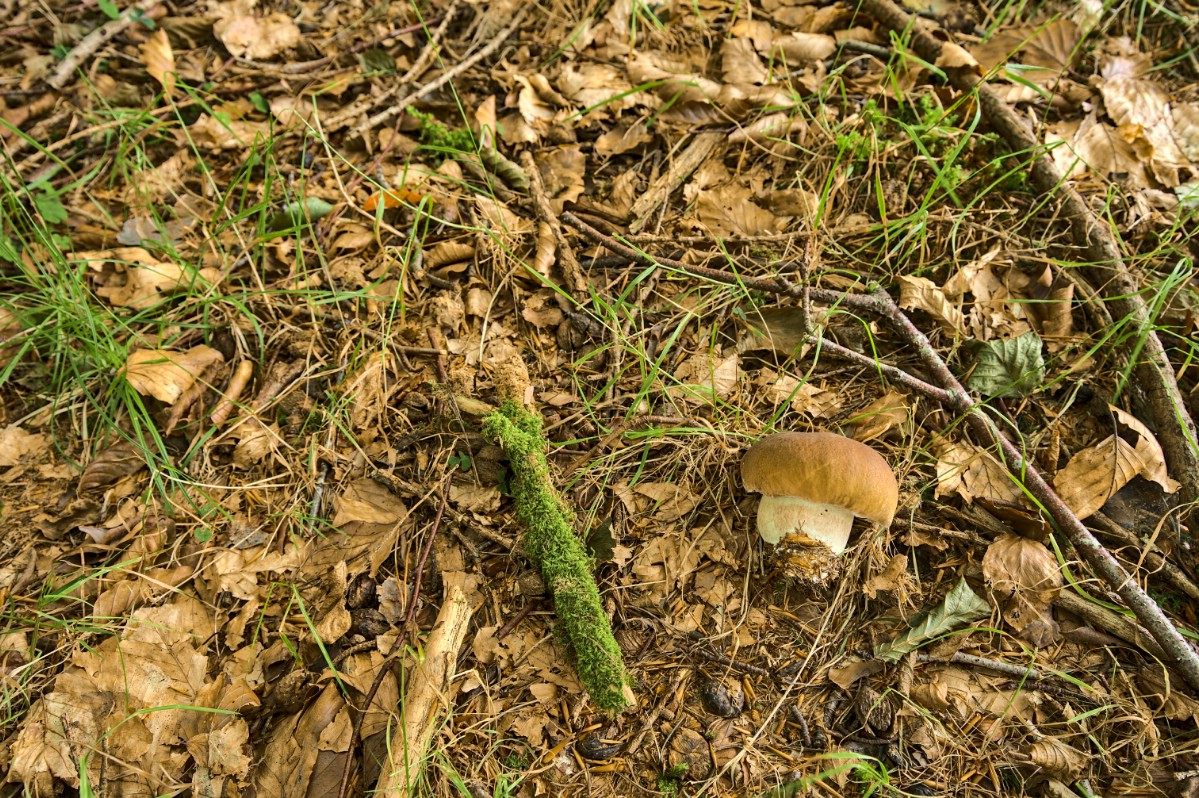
551, 542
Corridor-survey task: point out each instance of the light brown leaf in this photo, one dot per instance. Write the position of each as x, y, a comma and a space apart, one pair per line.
15, 443
159, 59
166, 374
888, 412
1023, 578
800, 47
258, 38
969, 471
921, 293
1093, 475
132, 277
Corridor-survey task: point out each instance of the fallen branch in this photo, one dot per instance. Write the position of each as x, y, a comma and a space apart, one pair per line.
426, 697
92, 42
1106, 271
551, 542
946, 389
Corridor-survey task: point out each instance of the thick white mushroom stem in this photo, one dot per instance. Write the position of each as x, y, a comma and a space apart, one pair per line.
783, 516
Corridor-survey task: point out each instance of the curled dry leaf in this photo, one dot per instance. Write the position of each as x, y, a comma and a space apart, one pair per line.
1058, 759
921, 293
159, 59
1094, 475
110, 466
166, 374
1023, 578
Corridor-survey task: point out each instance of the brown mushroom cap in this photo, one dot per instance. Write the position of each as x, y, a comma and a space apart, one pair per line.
825, 468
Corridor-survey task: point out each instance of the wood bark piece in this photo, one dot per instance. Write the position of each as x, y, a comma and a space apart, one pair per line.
426, 699
688, 161
89, 44
1106, 270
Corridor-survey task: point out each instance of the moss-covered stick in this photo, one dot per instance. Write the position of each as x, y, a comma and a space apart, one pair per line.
551, 542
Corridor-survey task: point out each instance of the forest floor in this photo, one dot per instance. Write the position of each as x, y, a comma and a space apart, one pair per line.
266, 269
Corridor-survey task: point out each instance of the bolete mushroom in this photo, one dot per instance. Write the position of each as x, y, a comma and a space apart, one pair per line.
812, 486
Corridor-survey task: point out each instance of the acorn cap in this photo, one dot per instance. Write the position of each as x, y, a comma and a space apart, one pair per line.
832, 471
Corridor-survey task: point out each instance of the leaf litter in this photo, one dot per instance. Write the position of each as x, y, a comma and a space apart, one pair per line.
203, 602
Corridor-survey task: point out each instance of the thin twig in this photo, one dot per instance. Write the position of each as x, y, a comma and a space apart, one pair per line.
399, 106
92, 42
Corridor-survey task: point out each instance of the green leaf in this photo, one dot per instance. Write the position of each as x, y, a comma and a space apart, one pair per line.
50, 207
1009, 368
961, 606
259, 102
297, 214
109, 8
600, 543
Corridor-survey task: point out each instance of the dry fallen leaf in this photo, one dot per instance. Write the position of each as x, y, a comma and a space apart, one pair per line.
166, 374
921, 293
247, 36
159, 59
15, 443
969, 471
1023, 578
1095, 474
889, 412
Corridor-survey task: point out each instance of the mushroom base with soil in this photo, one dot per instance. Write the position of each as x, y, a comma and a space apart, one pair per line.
783, 517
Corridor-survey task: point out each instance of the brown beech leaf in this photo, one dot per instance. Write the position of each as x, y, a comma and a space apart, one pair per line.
921, 293
1023, 578
110, 466
159, 59
889, 412
1095, 474
166, 374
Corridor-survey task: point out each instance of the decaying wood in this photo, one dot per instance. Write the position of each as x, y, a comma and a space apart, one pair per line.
680, 169
426, 698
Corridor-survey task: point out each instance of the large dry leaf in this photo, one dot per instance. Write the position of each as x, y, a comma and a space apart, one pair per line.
800, 47
1095, 146
132, 277
1023, 578
1095, 474
921, 293
128, 696
1141, 110
968, 471
889, 412
1049, 48
248, 36
166, 374
727, 210
15, 443
740, 63
704, 378
159, 59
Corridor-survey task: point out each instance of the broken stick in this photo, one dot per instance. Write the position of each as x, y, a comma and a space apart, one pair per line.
426, 699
